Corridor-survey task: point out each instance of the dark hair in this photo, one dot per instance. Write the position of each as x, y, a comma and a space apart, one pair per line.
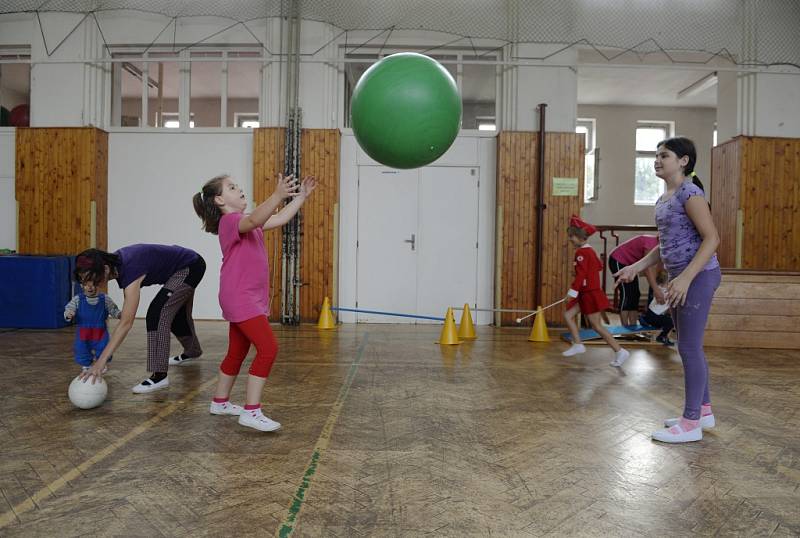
91, 265
204, 205
682, 146
580, 233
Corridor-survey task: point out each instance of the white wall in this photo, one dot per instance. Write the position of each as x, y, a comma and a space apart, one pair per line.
477, 151
8, 204
151, 180
777, 105
616, 138
555, 83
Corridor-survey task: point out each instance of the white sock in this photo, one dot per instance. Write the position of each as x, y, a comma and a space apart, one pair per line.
620, 357
574, 349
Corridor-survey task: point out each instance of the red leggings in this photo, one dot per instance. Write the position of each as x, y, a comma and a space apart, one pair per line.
240, 335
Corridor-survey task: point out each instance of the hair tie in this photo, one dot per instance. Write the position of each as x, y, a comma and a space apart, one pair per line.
692, 174
84, 262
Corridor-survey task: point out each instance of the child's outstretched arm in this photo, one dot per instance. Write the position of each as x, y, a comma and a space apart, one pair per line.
650, 274
287, 187
285, 215
71, 308
132, 295
112, 308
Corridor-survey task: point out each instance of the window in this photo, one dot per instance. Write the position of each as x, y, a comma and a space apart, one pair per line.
648, 187
211, 87
245, 119
475, 76
170, 120
478, 89
205, 95
590, 184
15, 89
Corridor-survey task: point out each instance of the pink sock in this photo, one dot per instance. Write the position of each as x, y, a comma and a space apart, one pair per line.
688, 425
252, 407
705, 409
220, 400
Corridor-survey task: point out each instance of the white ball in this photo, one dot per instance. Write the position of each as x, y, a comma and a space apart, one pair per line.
85, 395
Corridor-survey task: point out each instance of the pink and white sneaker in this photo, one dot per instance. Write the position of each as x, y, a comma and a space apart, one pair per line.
676, 434
257, 420
225, 408
706, 422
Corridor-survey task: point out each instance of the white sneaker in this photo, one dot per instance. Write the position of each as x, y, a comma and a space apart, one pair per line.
574, 349
621, 356
706, 422
225, 408
667, 436
148, 386
257, 420
178, 360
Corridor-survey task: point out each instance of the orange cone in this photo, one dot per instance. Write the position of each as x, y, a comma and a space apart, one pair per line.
466, 329
449, 334
326, 319
539, 329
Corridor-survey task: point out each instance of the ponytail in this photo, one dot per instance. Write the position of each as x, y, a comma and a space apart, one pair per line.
696, 180
205, 206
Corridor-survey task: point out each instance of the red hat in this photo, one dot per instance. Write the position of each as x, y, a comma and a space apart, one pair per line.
576, 222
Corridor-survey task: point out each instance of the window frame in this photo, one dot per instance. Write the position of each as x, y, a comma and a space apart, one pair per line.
591, 149
183, 59
668, 128
379, 52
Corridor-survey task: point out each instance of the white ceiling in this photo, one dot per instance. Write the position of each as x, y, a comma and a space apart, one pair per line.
648, 86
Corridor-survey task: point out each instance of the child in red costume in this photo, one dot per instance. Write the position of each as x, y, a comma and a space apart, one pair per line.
586, 295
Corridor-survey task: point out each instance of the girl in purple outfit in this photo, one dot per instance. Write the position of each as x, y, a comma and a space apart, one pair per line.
178, 270
688, 242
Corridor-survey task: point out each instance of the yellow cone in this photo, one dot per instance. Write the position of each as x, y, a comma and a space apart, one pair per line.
466, 330
326, 319
539, 330
449, 334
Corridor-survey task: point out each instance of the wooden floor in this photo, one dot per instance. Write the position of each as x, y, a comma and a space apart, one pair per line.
387, 434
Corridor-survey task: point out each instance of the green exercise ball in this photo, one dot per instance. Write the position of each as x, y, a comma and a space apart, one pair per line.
405, 111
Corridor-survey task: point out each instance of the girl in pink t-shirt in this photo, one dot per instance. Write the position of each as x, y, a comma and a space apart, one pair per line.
244, 284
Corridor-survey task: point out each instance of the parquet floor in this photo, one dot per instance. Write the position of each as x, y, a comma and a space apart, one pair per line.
387, 434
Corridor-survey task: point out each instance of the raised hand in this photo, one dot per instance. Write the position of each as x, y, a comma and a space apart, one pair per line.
307, 186
287, 186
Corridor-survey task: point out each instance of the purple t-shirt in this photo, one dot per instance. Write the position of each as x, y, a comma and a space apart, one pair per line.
158, 262
678, 239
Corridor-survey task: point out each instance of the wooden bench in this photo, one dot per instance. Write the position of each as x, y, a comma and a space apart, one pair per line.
756, 309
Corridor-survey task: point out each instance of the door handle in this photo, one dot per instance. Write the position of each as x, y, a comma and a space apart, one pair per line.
413, 241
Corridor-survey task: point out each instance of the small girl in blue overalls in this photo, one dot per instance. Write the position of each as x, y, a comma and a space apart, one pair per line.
90, 309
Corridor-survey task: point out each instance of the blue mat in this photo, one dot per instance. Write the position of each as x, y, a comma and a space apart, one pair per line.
616, 330
34, 290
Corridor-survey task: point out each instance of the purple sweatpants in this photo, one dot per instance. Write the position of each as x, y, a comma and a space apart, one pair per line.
690, 322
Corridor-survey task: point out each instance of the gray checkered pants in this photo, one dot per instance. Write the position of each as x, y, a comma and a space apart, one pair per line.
171, 312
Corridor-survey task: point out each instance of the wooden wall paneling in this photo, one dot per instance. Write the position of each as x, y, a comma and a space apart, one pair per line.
725, 185
59, 173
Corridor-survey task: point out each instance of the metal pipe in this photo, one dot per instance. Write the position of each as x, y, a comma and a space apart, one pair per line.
540, 207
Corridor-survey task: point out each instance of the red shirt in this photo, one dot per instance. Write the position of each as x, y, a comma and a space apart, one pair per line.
587, 270
633, 250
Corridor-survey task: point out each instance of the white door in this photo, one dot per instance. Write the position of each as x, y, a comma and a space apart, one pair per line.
447, 262
387, 242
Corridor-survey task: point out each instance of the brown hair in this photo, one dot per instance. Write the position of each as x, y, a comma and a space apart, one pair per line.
683, 147
205, 206
90, 265
580, 233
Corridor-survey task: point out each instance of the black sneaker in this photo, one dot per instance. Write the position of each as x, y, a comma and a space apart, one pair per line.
664, 339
